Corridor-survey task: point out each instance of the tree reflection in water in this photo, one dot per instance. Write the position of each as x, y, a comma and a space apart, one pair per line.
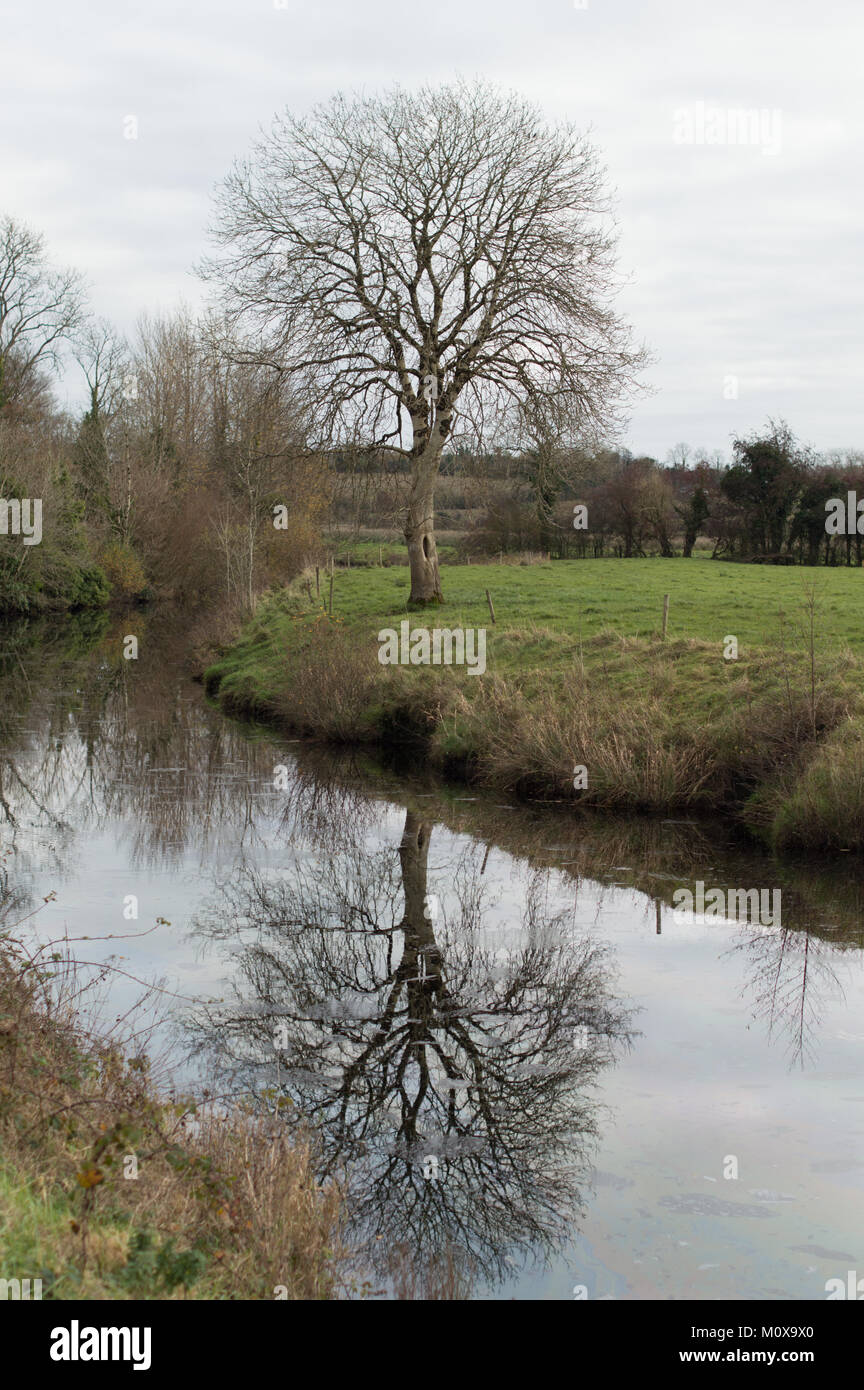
450, 1076
789, 975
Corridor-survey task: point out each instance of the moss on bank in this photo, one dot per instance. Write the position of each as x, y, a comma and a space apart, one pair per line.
774, 738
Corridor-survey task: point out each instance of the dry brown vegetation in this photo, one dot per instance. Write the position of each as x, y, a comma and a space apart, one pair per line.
225, 1204
659, 725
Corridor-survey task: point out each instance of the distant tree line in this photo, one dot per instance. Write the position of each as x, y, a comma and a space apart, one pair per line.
768, 505
190, 472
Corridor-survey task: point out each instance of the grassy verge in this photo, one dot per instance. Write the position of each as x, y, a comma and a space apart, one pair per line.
111, 1189
578, 674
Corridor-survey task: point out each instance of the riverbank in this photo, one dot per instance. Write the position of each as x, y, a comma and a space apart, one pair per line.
112, 1187
582, 701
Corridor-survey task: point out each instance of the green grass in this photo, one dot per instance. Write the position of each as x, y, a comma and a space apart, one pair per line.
548, 614
708, 599
578, 672
35, 1242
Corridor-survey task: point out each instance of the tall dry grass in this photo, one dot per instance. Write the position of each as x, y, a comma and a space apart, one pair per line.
631, 755
225, 1203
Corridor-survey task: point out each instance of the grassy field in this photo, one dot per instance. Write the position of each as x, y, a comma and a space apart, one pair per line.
577, 673
379, 549
708, 599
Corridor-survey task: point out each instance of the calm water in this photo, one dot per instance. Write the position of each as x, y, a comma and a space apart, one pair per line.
513, 1049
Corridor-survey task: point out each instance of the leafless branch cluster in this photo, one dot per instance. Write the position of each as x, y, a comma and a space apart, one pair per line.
448, 234
40, 308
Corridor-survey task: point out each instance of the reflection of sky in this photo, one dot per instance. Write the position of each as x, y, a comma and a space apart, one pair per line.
703, 1081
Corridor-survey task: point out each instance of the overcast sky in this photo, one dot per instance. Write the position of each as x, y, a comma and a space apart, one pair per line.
743, 257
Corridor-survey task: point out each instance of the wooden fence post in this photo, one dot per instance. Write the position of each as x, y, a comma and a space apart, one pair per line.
489, 601
665, 614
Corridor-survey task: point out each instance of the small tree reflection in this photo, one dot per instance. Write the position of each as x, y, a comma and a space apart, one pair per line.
788, 976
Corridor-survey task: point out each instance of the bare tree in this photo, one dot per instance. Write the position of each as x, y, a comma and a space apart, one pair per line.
257, 432
103, 358
679, 455
417, 258
39, 308
553, 460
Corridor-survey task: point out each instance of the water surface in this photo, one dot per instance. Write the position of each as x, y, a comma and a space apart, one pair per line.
525, 1064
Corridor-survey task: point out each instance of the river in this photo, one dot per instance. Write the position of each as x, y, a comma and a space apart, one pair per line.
525, 1064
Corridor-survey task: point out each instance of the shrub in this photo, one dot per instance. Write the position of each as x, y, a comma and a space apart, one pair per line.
124, 571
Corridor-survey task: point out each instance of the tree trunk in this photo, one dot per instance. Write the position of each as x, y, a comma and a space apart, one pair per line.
422, 955
414, 860
420, 536
546, 528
